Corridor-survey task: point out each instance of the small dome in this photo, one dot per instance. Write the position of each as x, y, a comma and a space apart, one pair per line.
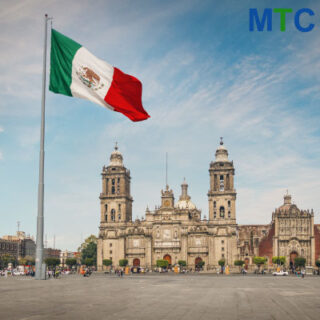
116, 158
288, 206
185, 204
184, 200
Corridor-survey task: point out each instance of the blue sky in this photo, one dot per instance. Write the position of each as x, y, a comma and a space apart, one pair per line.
204, 76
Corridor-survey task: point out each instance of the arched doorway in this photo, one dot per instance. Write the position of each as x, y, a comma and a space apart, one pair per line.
293, 255
136, 262
168, 258
198, 263
246, 263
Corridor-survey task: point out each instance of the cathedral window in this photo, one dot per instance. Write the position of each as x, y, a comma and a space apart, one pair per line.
119, 216
229, 203
113, 190
222, 248
113, 182
110, 251
214, 204
118, 180
106, 217
222, 255
106, 208
113, 215
222, 241
110, 244
229, 214
119, 207
221, 183
214, 214
222, 212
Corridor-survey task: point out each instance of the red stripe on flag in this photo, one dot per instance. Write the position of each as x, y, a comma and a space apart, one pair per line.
125, 96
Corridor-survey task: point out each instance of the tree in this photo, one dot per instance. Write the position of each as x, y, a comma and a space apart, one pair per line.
89, 251
182, 263
30, 260
107, 262
162, 263
88, 240
239, 263
259, 261
222, 262
299, 261
200, 264
89, 262
52, 262
22, 261
123, 262
6, 259
70, 262
279, 260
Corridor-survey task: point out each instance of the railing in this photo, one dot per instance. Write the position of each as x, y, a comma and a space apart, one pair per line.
135, 250
199, 250
167, 244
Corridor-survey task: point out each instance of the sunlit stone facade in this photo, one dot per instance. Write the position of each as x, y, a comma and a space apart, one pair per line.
176, 230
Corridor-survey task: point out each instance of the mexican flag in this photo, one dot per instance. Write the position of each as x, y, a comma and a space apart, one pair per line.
76, 72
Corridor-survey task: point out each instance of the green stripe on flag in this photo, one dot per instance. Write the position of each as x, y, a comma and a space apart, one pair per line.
63, 50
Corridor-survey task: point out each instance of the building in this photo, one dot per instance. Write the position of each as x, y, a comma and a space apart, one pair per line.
19, 245
51, 253
64, 255
177, 231
8, 247
291, 233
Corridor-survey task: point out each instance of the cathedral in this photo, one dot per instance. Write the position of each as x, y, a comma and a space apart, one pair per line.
175, 230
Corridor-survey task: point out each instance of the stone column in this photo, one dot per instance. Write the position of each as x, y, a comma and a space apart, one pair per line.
148, 252
104, 184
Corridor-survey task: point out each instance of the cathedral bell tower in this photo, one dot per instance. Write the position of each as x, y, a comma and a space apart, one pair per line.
115, 199
222, 195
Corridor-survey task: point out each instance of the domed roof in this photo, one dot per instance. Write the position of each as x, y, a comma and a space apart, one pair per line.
288, 206
116, 158
184, 200
185, 204
222, 152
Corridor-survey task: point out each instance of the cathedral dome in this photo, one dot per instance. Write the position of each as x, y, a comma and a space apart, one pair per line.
116, 158
185, 204
288, 207
222, 153
184, 200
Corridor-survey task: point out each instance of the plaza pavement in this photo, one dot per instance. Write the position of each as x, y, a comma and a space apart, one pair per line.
160, 296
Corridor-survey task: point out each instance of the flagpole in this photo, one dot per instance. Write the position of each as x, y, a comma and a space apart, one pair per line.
40, 268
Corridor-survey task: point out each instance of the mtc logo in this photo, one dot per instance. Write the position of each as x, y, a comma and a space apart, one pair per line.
266, 19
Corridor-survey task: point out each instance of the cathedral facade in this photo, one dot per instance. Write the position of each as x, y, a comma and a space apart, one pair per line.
175, 230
